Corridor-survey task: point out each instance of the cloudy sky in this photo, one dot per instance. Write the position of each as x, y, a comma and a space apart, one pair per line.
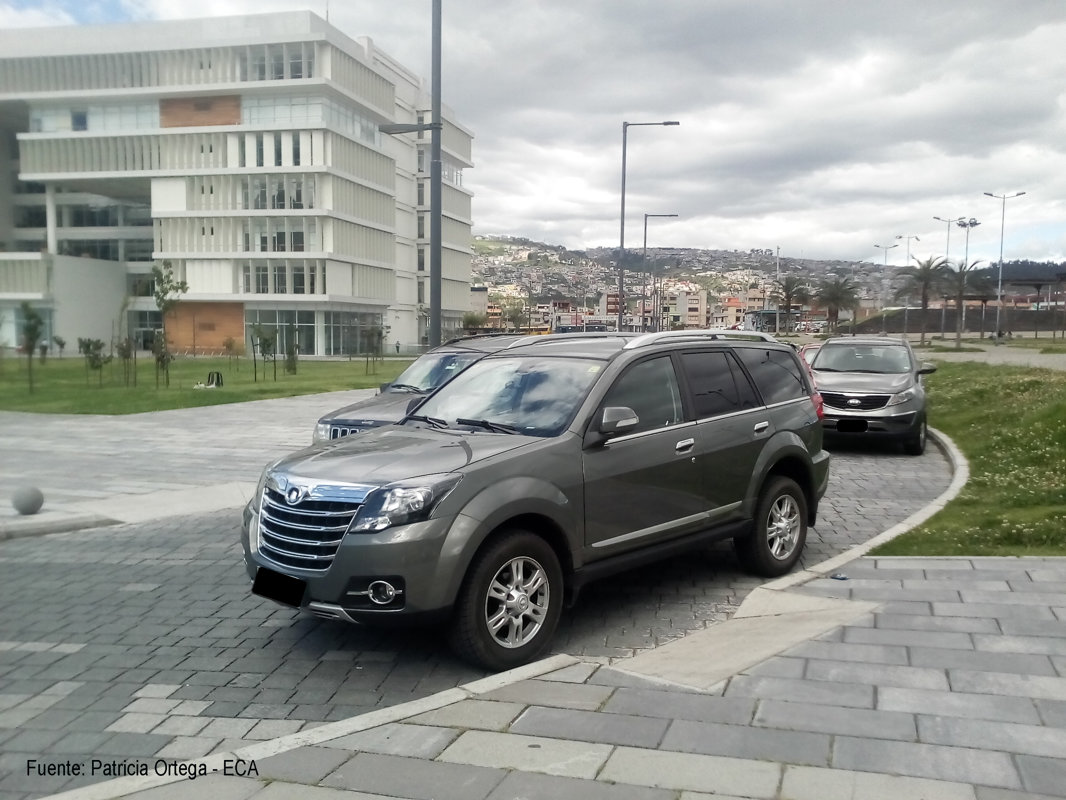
822, 127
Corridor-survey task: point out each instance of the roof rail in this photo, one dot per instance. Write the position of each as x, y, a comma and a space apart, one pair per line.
546, 338
707, 333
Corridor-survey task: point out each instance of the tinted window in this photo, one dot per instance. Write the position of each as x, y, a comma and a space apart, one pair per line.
649, 388
717, 383
775, 372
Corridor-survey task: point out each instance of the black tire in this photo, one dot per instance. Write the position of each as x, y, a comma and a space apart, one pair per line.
779, 532
517, 582
914, 444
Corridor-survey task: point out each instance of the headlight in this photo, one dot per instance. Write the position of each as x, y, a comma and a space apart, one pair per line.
902, 397
257, 498
403, 503
321, 432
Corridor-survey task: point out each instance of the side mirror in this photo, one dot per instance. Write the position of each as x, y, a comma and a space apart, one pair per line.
413, 403
617, 419
384, 387
927, 368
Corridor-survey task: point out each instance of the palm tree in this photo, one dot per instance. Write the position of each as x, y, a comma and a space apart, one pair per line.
962, 278
788, 289
924, 278
837, 294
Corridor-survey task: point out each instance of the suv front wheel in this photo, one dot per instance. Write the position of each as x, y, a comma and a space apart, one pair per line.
776, 541
510, 602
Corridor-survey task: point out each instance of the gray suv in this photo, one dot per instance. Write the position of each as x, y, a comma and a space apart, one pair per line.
425, 374
556, 461
872, 387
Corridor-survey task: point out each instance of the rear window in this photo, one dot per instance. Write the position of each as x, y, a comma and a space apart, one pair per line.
776, 373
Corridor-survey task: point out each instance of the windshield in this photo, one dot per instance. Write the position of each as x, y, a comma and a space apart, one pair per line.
434, 369
534, 396
878, 359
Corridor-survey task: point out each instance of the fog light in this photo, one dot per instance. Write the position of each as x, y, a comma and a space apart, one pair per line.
381, 592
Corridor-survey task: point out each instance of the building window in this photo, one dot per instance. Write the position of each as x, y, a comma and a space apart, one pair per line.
262, 280
298, 280
279, 279
279, 241
421, 227
79, 120
421, 259
297, 199
277, 149
297, 241
421, 292
296, 148
259, 149
421, 193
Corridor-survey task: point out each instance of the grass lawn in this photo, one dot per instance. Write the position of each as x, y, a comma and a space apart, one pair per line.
1010, 423
65, 386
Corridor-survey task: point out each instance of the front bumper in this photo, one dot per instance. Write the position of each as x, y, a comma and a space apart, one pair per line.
882, 423
411, 558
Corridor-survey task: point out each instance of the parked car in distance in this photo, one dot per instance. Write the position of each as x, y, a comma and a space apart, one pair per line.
556, 461
872, 387
425, 374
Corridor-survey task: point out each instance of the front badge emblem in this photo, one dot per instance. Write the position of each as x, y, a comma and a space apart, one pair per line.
293, 497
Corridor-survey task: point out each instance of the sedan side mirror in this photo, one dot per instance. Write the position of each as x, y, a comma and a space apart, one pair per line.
927, 368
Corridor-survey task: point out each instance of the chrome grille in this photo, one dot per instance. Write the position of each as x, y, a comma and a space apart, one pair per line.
305, 535
867, 402
339, 431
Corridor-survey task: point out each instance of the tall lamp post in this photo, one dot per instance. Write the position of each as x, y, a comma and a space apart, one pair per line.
622, 232
644, 265
1002, 225
947, 245
884, 285
968, 224
435, 191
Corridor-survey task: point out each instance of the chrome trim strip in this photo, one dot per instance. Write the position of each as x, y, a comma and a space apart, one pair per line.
721, 511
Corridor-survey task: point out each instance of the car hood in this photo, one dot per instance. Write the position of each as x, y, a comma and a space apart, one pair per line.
384, 407
863, 382
396, 452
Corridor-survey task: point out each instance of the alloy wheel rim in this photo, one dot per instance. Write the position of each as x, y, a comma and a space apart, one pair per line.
516, 602
782, 527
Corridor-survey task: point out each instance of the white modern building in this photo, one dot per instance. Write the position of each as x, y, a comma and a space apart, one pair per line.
246, 152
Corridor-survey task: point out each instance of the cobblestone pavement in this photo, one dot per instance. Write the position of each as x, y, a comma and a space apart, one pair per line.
142, 640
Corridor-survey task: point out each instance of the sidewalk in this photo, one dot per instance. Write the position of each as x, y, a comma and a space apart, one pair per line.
858, 678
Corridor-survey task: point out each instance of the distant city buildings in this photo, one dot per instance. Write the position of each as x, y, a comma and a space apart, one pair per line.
246, 152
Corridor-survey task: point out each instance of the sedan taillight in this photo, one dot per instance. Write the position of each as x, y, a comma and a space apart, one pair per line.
819, 405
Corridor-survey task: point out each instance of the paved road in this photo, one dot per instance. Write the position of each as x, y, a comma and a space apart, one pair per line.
142, 640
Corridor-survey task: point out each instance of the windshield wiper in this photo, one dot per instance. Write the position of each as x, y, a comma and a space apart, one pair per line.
436, 422
495, 427
407, 387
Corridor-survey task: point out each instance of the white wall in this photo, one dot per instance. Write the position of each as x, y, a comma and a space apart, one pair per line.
168, 194
88, 296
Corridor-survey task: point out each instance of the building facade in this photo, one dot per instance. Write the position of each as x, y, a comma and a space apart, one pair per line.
246, 153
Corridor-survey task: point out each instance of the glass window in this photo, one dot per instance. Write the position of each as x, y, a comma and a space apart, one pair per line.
262, 279
298, 279
650, 388
79, 120
296, 148
279, 279
421, 259
776, 372
297, 241
277, 149
717, 383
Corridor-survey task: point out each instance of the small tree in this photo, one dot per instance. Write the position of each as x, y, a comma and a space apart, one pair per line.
167, 293
229, 344
292, 351
125, 350
268, 340
95, 358
32, 327
473, 320
61, 343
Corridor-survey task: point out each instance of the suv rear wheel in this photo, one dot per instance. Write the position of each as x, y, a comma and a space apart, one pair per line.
780, 530
510, 602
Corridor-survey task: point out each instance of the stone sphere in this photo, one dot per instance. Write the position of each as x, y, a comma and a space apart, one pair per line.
27, 500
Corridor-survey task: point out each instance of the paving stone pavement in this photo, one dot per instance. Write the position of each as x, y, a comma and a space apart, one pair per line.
870, 709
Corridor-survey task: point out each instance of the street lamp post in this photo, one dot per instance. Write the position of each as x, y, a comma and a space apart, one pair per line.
968, 224
1002, 224
435, 172
907, 299
622, 232
884, 285
644, 267
947, 245
777, 305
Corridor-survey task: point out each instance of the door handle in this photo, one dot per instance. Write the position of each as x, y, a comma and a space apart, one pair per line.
683, 445
761, 427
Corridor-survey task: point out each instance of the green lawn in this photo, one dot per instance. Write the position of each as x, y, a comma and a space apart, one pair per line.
65, 386
1010, 423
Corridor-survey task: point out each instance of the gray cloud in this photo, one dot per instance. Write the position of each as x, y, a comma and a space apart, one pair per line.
822, 126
